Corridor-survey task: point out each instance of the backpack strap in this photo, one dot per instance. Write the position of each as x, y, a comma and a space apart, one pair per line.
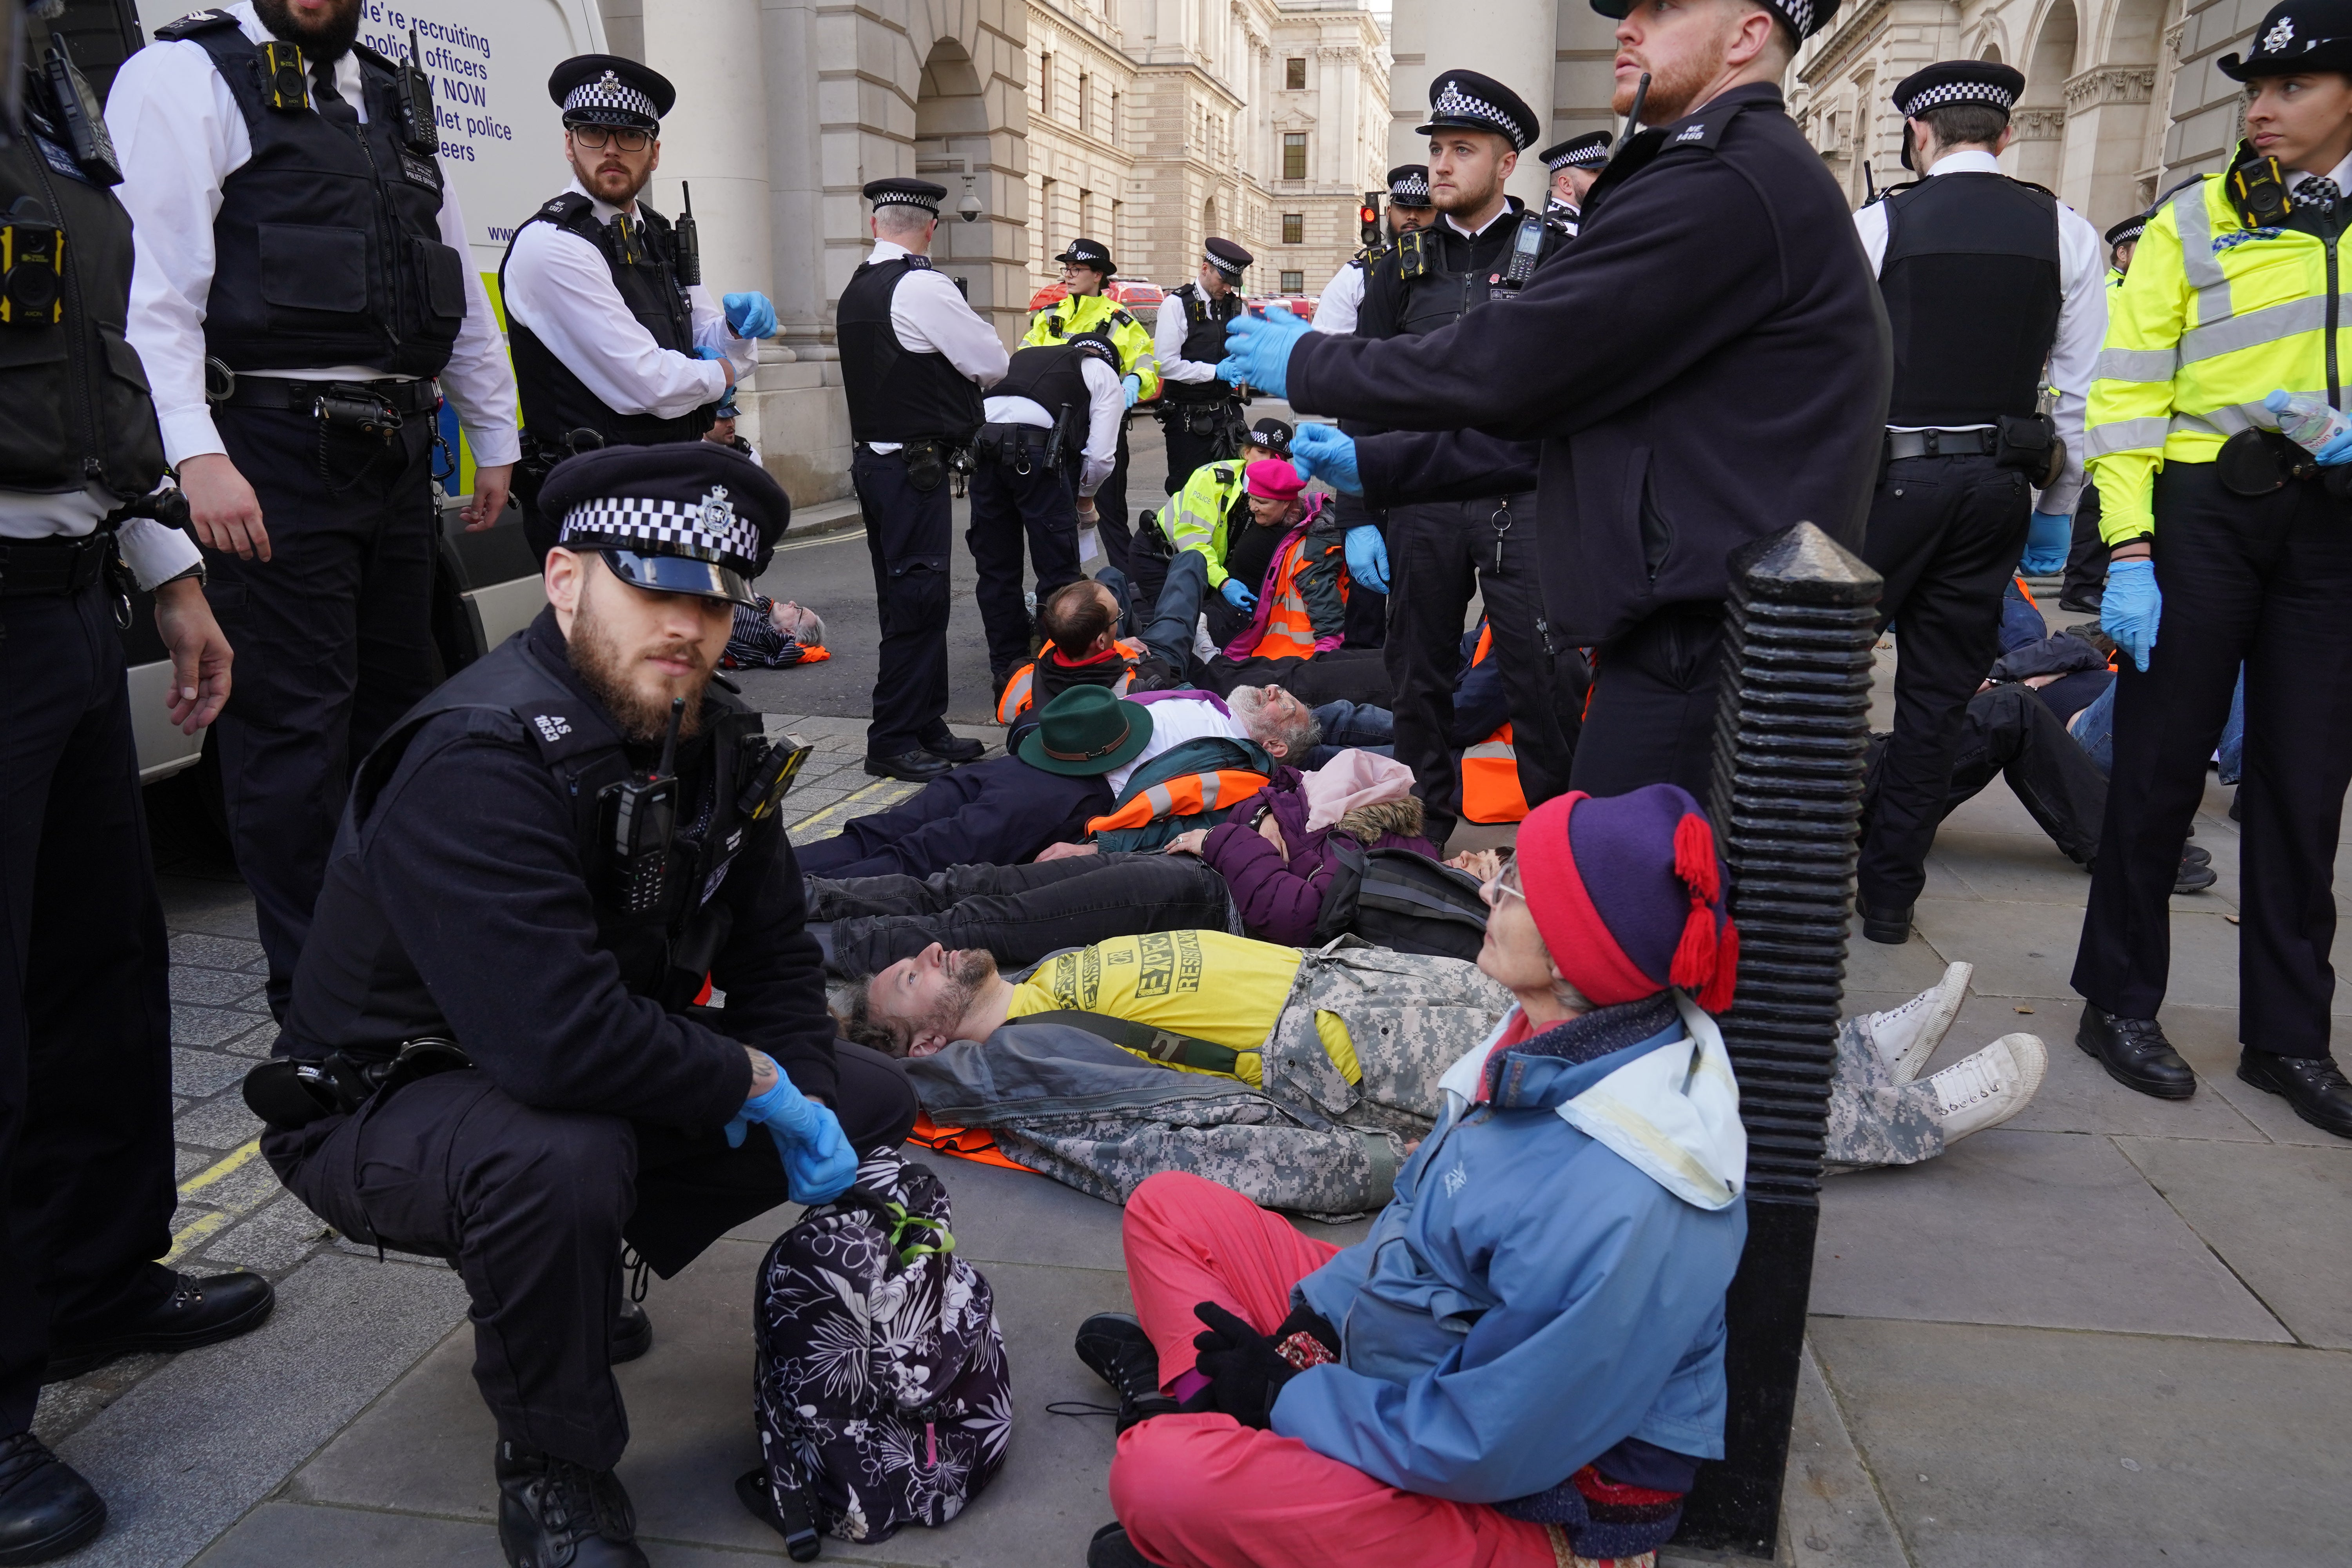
1145, 1039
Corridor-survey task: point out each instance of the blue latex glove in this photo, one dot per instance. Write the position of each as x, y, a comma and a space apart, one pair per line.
2339, 450
1238, 595
749, 315
2131, 607
2047, 540
1327, 453
1133, 386
707, 351
1257, 350
818, 1161
1368, 557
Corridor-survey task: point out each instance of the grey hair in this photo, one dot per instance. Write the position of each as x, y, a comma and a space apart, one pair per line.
899, 217
811, 628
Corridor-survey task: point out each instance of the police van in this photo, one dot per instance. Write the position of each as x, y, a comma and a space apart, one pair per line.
488, 61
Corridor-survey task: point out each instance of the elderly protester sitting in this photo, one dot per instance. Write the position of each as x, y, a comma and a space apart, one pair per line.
1523, 1359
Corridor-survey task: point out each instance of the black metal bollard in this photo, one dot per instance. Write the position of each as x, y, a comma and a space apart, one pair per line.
1790, 731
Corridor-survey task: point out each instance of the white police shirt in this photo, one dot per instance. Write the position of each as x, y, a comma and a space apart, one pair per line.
930, 315
179, 135
1168, 337
1341, 300
1106, 407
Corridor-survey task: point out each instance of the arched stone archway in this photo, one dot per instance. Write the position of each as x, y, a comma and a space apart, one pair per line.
2037, 148
2108, 171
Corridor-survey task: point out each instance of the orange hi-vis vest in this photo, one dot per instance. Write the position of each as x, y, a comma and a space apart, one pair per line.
1017, 690
1187, 795
1289, 630
1490, 770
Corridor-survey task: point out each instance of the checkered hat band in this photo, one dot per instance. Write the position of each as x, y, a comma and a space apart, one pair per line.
1456, 104
1800, 14
664, 527
1583, 157
1415, 189
608, 94
2000, 97
1230, 268
908, 199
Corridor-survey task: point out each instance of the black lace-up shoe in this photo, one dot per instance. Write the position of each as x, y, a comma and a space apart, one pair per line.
1114, 1348
945, 742
915, 766
47, 1509
2136, 1054
2315, 1085
554, 1513
1892, 927
182, 1312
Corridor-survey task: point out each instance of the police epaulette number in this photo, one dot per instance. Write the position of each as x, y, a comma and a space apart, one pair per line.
195, 22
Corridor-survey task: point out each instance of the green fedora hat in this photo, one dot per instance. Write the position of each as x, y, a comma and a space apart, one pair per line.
1087, 730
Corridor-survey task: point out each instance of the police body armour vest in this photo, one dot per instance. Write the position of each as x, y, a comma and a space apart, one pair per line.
640, 253
1204, 343
360, 991
1461, 275
77, 409
895, 394
327, 249
1053, 377
1971, 283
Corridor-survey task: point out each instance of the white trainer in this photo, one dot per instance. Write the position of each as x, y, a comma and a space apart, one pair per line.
1989, 1087
1907, 1036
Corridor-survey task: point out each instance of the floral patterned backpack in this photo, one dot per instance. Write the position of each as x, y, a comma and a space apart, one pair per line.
881, 1393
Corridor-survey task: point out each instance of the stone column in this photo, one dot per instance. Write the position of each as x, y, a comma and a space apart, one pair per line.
1514, 41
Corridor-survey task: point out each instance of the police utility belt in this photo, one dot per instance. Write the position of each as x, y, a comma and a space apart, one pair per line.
33, 568
289, 1094
1024, 448
373, 408
2028, 444
929, 460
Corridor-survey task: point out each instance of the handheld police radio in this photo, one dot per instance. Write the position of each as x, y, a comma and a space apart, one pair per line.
420, 130
79, 117
640, 819
689, 240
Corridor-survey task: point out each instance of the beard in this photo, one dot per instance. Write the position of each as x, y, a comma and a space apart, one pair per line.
330, 38
617, 677
967, 971
1675, 85
586, 163
1461, 200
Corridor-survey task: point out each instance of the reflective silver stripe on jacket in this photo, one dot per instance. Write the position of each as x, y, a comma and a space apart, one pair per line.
2255, 328
2143, 434
2197, 258
2154, 366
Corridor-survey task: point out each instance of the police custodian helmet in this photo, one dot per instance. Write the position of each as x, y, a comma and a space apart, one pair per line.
684, 516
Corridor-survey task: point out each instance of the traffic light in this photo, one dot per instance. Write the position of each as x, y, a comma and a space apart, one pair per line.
1368, 219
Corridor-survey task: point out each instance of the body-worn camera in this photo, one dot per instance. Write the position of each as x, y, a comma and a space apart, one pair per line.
32, 268
639, 822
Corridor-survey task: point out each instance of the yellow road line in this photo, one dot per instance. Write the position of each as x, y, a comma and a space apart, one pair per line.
821, 539
847, 801
188, 1236
228, 1164
185, 1239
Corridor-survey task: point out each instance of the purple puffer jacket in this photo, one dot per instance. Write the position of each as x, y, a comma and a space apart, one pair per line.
1278, 902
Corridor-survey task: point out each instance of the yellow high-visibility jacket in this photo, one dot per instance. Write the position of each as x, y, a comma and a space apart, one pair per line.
2212, 319
1197, 514
1064, 319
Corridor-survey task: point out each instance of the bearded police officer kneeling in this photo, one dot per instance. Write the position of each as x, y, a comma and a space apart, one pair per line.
537, 870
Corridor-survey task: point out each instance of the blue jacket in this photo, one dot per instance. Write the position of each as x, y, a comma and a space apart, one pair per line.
1532, 1297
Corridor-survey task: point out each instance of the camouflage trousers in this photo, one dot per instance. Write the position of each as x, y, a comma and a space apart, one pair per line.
1871, 1121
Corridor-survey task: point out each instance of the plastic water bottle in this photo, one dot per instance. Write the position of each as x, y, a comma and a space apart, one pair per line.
2306, 420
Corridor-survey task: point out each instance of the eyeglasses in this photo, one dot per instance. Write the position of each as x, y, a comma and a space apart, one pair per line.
1494, 889
597, 136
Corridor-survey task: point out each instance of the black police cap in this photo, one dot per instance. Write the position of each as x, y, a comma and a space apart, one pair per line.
1988, 83
1466, 100
1091, 253
2298, 36
905, 193
1804, 18
1590, 150
1273, 435
2130, 228
606, 90
1227, 257
1409, 185
685, 517
1096, 343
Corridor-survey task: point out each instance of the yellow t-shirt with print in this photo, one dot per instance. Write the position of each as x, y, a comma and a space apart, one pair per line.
1224, 989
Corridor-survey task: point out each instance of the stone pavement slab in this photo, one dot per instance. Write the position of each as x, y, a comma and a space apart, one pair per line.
2280, 1217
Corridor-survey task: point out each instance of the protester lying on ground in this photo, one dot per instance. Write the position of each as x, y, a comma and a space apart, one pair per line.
1092, 765
1268, 866
1524, 1358
774, 634
1083, 647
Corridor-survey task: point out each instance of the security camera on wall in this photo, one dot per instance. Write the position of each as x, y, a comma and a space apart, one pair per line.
968, 209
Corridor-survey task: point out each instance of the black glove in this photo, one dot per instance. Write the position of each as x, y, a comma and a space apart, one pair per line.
1247, 1369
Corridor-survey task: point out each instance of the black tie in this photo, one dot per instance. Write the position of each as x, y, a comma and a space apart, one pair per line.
2320, 191
331, 105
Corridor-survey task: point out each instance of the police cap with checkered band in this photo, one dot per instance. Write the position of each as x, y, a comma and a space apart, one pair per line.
1804, 18
1465, 101
685, 517
1409, 185
605, 89
1987, 83
2298, 36
1590, 150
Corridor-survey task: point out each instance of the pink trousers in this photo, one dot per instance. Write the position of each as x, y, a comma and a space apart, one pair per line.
1205, 1492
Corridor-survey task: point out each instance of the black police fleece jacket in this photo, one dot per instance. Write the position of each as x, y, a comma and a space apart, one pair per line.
1705, 363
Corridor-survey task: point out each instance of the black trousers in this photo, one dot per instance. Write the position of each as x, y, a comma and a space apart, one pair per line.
1006, 505
1368, 609
1110, 506
1186, 451
333, 637
2086, 555
2009, 732
1020, 913
1440, 553
1651, 716
533, 1206
909, 535
86, 1178
2262, 581
1946, 533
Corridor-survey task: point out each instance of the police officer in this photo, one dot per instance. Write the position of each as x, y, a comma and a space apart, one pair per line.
1649, 373
2086, 554
86, 1156
1050, 440
1408, 209
612, 336
539, 867
1201, 415
302, 279
914, 358
1575, 164
2230, 548
1994, 289
1087, 267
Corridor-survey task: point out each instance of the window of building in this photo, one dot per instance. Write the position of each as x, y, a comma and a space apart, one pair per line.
1294, 228
1045, 84
1113, 132
1293, 155
1084, 121
1293, 74
1293, 282
1085, 212
1045, 227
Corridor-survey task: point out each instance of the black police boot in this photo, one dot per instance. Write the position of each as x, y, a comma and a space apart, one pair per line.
1892, 927
172, 1313
2136, 1054
945, 742
915, 766
45, 1507
554, 1513
632, 1332
1114, 1348
2315, 1085
1110, 1548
